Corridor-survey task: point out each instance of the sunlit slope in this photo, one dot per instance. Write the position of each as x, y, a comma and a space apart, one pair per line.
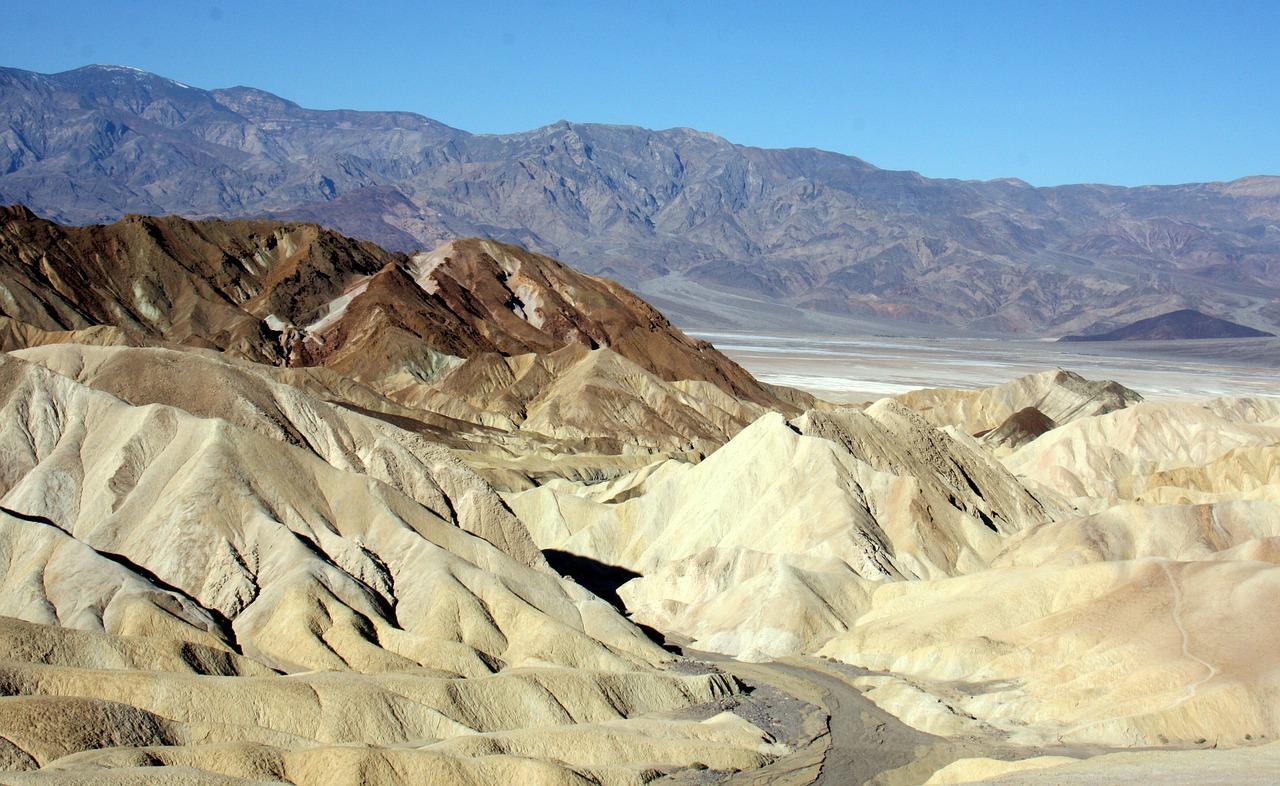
770, 545
278, 574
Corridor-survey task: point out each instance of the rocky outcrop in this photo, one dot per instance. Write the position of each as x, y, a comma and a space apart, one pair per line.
1020, 428
1060, 396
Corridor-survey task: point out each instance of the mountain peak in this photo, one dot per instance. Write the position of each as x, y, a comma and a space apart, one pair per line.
123, 72
105, 67
241, 98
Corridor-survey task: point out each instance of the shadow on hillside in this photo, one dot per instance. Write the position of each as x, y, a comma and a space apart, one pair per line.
603, 581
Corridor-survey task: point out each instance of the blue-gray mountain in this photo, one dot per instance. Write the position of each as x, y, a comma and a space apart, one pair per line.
805, 228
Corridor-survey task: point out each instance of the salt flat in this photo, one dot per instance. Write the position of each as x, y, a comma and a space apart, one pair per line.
865, 368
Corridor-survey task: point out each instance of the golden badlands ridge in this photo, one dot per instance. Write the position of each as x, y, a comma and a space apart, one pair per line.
277, 506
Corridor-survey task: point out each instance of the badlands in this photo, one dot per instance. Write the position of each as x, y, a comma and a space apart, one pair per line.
277, 506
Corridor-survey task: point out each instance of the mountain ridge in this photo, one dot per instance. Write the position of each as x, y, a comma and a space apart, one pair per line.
819, 232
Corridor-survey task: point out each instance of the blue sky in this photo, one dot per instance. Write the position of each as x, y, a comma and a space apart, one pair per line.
1117, 92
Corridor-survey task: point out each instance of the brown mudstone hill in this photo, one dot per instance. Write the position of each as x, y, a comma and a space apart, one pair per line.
293, 294
195, 283
1022, 426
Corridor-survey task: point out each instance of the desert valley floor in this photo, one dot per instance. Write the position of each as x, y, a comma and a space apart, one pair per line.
864, 368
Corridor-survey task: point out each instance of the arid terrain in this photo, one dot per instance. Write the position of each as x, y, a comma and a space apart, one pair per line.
280, 505
277, 506
876, 364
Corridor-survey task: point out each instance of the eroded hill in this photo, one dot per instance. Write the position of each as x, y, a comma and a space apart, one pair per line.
478, 342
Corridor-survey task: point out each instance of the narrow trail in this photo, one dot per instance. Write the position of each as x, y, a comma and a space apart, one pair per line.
862, 743
865, 740
1175, 612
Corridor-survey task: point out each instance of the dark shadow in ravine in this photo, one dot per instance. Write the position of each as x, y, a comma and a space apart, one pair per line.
603, 580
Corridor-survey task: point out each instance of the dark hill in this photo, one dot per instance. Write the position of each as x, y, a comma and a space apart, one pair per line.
1175, 326
1020, 428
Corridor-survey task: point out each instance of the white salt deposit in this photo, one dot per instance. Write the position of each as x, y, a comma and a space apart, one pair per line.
276, 323
423, 264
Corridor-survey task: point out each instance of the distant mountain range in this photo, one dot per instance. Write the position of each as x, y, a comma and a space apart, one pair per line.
715, 233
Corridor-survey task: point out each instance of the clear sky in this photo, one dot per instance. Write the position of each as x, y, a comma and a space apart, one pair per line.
1126, 91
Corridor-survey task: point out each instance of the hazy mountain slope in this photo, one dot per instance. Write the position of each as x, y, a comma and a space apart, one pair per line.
1174, 326
803, 227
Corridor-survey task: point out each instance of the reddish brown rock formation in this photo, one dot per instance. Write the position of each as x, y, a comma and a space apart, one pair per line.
298, 295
